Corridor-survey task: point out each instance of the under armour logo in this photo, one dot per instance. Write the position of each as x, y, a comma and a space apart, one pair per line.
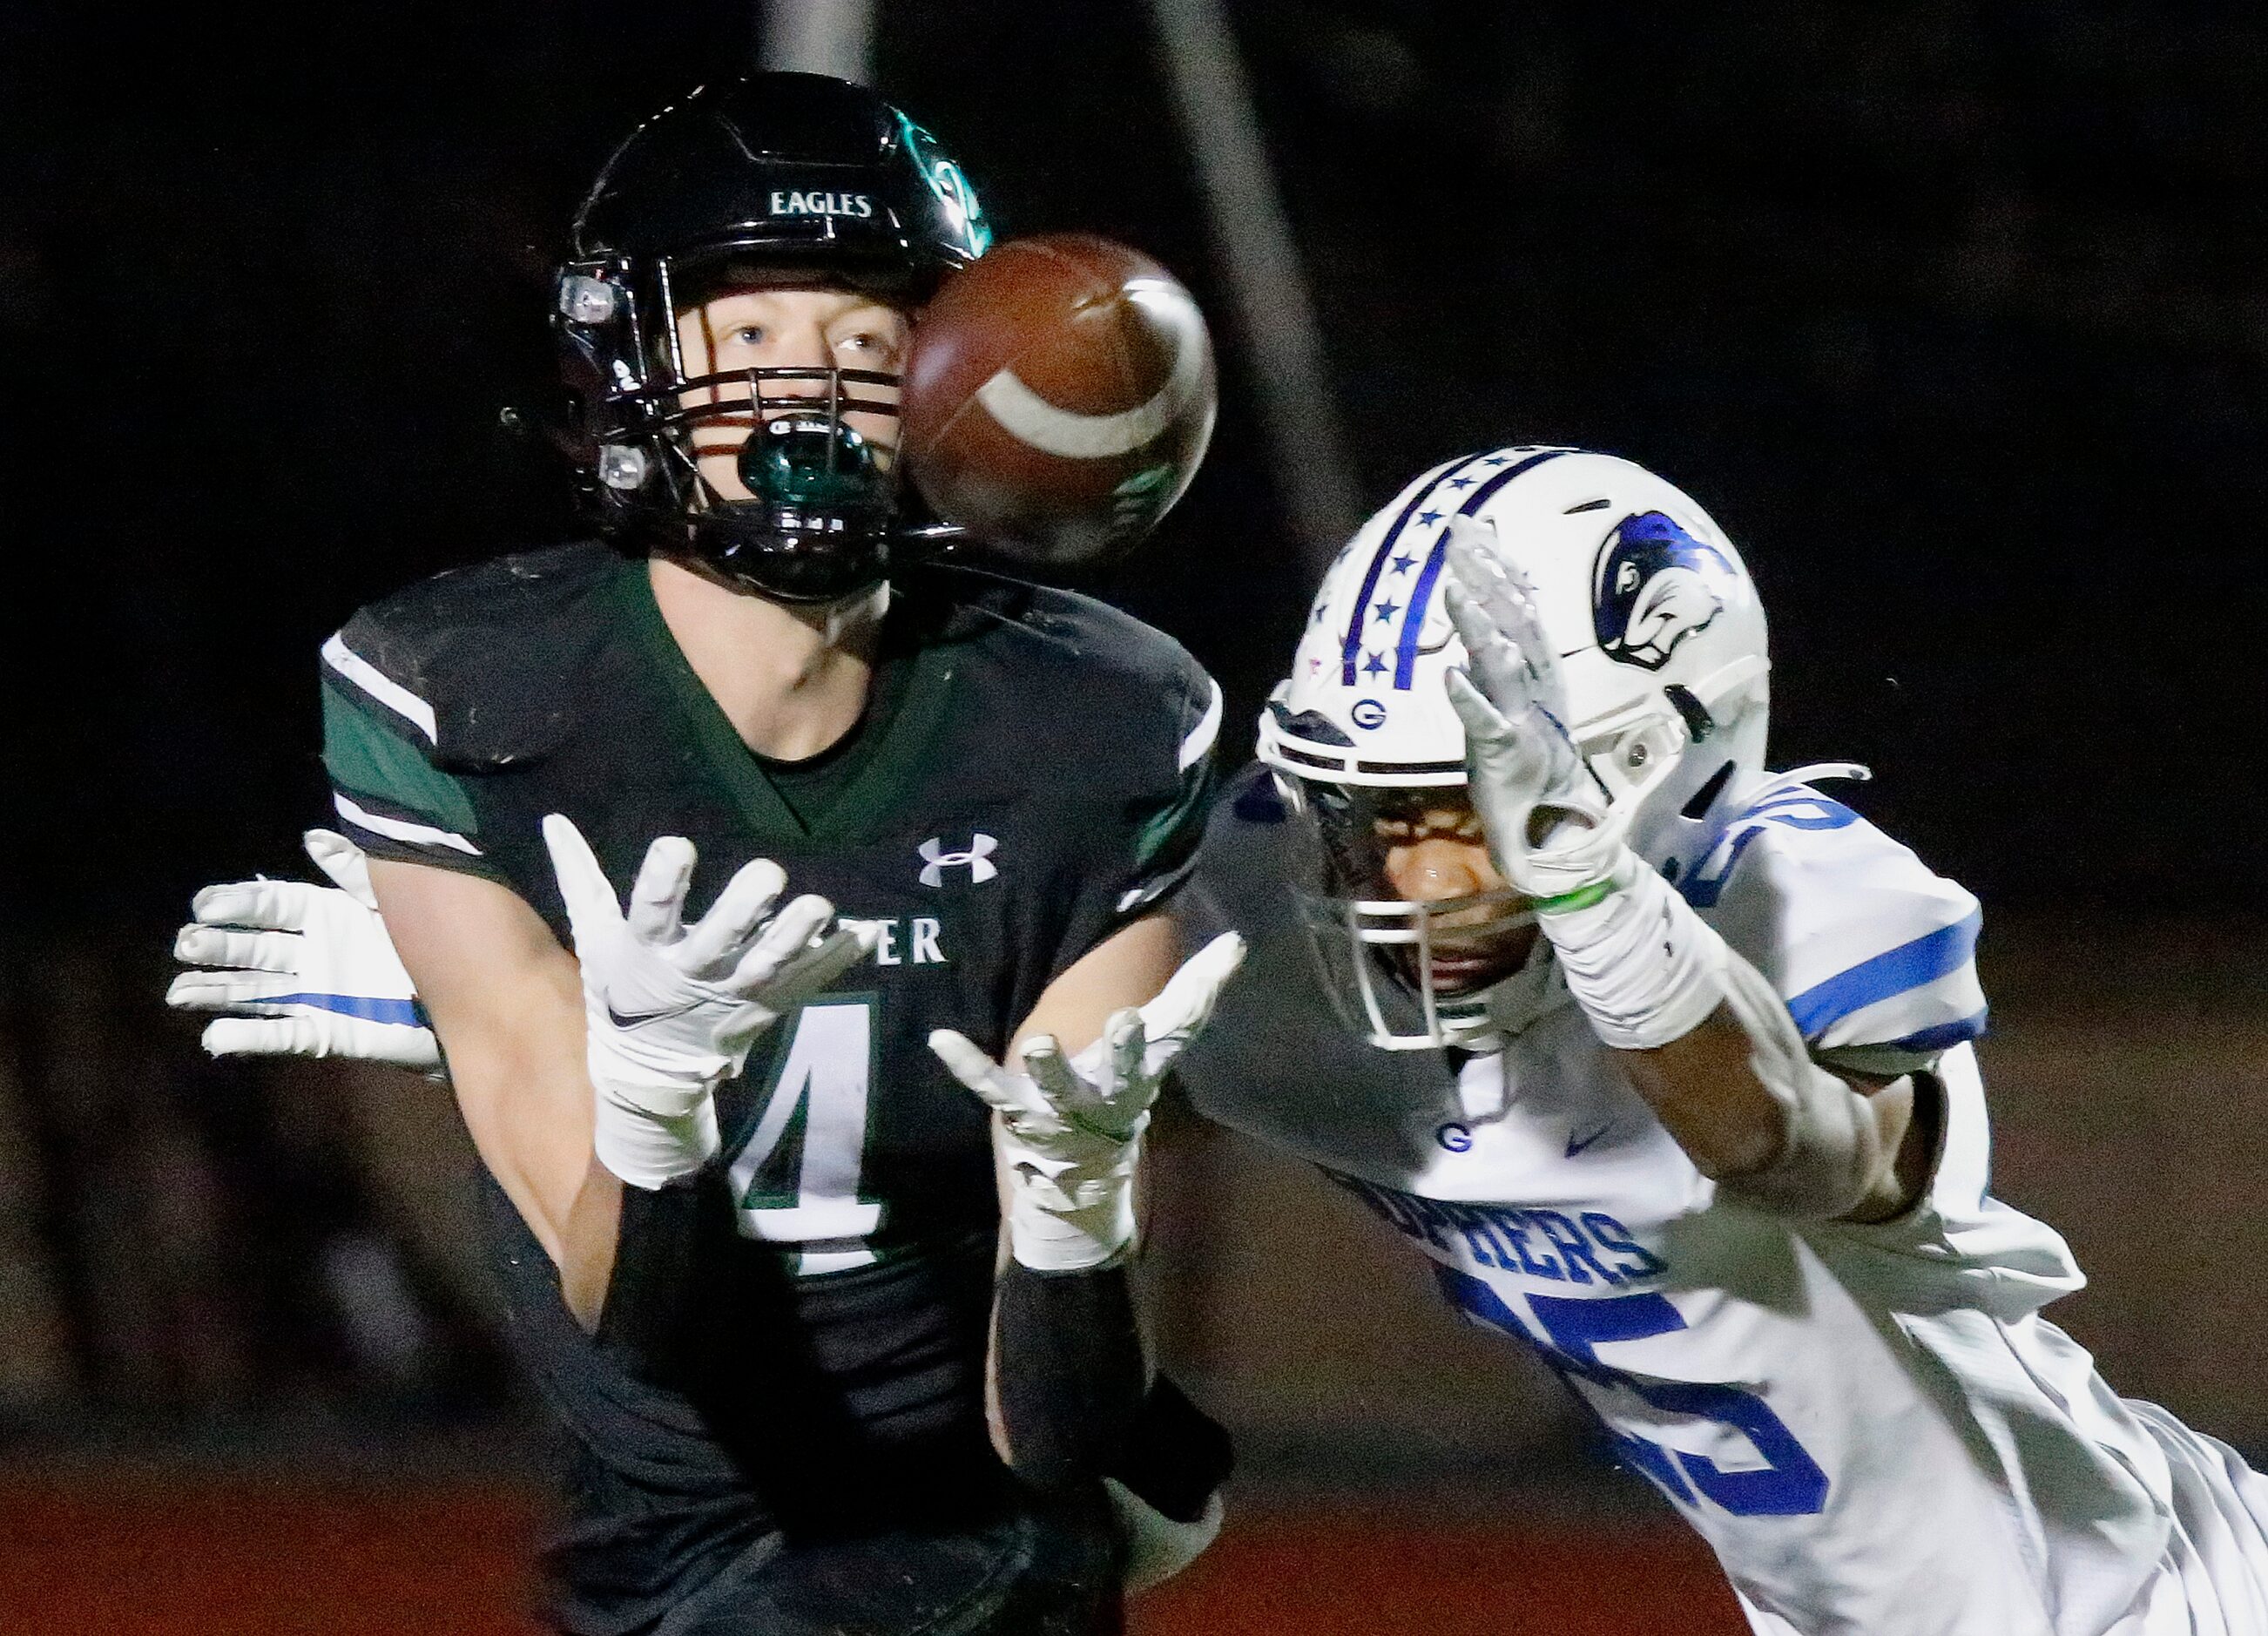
978, 858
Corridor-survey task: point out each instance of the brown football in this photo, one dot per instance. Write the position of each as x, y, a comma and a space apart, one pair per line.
1057, 397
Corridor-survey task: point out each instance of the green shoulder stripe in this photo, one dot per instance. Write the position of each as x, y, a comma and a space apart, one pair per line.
366, 756
1172, 833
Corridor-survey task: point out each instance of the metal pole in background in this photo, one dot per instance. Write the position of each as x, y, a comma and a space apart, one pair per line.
1252, 237
818, 37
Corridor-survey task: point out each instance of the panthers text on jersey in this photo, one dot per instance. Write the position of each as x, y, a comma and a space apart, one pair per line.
1034, 772
1871, 1423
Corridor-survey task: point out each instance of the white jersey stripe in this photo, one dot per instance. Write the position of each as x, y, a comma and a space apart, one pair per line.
1149, 891
400, 830
1208, 728
380, 686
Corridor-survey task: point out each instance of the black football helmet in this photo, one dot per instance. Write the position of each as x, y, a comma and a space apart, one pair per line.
788, 174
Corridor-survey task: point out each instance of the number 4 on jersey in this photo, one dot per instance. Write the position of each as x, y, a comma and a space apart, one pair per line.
819, 1089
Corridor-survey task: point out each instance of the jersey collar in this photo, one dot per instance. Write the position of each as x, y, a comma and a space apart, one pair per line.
910, 734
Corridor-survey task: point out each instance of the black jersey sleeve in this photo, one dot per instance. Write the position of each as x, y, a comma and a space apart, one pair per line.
1142, 722
430, 694
379, 741
1162, 850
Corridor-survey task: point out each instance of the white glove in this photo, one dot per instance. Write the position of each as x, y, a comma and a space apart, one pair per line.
1070, 1129
312, 964
671, 1010
1551, 829
1643, 966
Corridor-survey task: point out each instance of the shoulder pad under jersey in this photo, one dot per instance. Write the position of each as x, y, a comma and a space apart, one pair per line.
489, 661
1076, 674
1869, 947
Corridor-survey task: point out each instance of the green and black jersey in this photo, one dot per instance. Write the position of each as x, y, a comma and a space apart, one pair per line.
1032, 772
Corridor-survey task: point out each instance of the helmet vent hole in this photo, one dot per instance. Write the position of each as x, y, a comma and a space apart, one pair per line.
1705, 797
1698, 721
1599, 505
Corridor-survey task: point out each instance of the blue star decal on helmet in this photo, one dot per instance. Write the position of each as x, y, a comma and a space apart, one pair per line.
1372, 665
1426, 519
1460, 482
1402, 563
1387, 610
1494, 459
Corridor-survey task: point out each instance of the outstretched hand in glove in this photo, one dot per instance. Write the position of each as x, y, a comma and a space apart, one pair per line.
1552, 830
1070, 1127
310, 968
671, 1010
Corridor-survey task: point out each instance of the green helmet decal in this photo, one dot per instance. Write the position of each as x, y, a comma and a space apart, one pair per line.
950, 183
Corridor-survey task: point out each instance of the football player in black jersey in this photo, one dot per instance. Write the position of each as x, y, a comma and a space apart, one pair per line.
760, 1303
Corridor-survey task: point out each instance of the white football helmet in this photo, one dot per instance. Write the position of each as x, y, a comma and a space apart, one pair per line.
1662, 649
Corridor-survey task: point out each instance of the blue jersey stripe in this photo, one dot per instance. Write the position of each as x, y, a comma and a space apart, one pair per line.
1706, 882
368, 1008
1945, 1036
1353, 644
1413, 623
1894, 971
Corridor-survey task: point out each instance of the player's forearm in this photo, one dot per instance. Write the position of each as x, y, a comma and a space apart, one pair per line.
589, 1233
1709, 1045
505, 1000
1067, 1372
1128, 968
1706, 1089
1706, 1096
529, 1113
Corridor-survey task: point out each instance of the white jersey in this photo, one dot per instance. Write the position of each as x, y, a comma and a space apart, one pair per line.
1872, 1425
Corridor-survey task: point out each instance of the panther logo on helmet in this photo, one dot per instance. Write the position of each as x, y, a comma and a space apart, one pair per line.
1655, 585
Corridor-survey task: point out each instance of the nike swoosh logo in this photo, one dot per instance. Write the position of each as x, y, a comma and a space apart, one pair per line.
633, 1019
1577, 1143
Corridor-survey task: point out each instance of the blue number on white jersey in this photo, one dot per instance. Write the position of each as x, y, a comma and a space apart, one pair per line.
1790, 1484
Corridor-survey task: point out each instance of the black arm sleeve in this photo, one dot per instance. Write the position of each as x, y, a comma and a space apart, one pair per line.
1071, 1376
1178, 1455
653, 1294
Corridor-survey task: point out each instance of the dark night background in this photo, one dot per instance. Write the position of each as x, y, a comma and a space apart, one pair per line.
1954, 314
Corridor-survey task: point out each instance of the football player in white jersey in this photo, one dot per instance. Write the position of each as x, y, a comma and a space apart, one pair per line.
1665, 1064
1712, 1138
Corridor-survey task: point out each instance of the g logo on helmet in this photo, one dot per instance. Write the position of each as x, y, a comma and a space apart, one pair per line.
1367, 713
1655, 585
